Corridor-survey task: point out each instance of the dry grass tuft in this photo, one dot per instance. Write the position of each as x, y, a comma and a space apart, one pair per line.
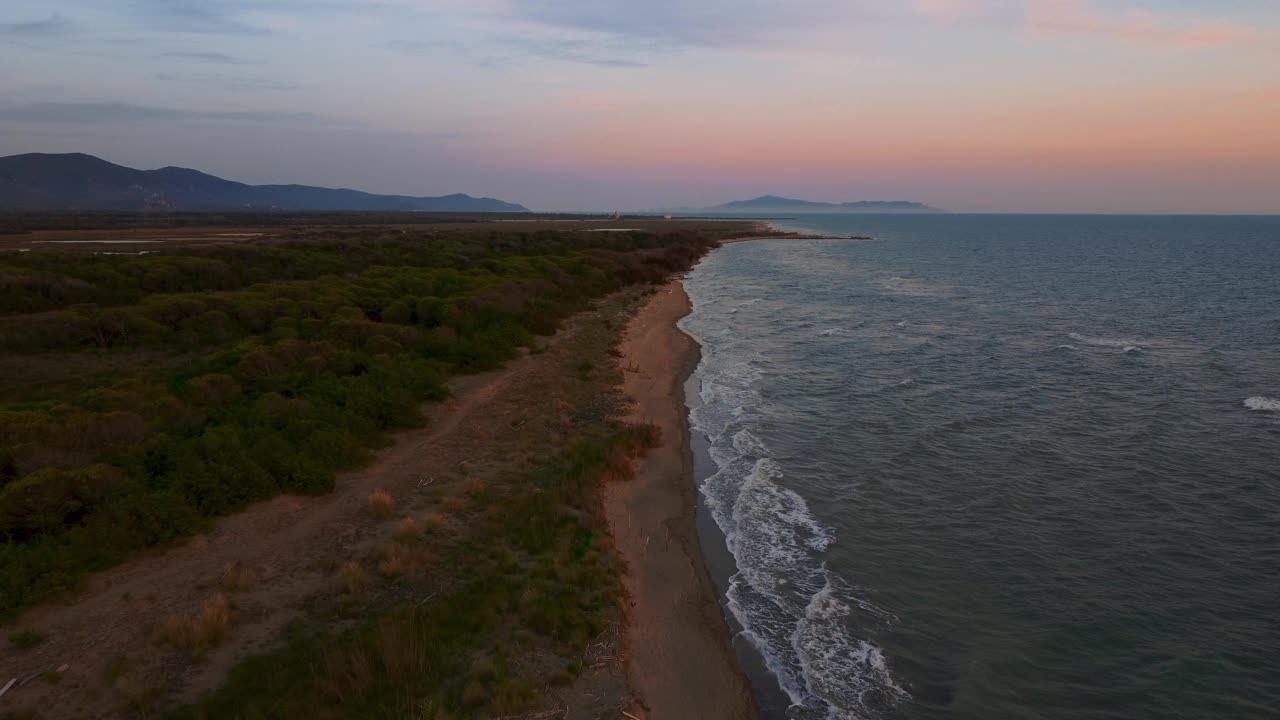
397, 562
380, 504
199, 634
354, 578
434, 522
455, 503
408, 530
474, 487
236, 577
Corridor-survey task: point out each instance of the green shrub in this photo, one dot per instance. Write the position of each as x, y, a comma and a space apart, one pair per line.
49, 499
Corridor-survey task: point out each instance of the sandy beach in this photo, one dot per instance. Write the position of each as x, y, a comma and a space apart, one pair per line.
679, 658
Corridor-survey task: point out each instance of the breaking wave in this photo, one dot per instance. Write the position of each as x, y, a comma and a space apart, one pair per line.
793, 610
1263, 404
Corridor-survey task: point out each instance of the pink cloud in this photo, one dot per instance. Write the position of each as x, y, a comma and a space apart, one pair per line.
1133, 27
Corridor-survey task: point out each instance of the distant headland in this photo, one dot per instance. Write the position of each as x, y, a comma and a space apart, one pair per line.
777, 204
75, 181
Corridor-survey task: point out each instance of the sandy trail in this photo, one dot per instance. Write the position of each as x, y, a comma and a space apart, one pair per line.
289, 543
679, 658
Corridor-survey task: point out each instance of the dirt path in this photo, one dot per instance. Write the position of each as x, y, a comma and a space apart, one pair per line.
679, 658
288, 547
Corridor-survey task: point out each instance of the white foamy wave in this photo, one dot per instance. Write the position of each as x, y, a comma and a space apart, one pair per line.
1123, 343
786, 601
1067, 347
830, 332
748, 444
1132, 349
1263, 404
781, 514
842, 670
726, 397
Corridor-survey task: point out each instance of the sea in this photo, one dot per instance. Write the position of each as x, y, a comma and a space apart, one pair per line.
995, 466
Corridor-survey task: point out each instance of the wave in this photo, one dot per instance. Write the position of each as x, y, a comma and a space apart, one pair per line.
1125, 344
842, 329
791, 608
850, 673
914, 286
1263, 404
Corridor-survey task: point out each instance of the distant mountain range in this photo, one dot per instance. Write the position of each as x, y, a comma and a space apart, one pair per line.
775, 204
82, 182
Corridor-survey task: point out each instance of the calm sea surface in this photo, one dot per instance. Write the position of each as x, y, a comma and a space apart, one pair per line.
998, 466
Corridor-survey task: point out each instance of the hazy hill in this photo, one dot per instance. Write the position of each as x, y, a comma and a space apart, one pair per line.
775, 204
82, 182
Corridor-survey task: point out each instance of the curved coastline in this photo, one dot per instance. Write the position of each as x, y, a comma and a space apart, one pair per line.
785, 678
680, 659
684, 658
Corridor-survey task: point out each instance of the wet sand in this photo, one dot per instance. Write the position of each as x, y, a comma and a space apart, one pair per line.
680, 661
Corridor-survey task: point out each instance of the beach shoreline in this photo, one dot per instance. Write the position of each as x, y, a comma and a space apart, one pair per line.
680, 659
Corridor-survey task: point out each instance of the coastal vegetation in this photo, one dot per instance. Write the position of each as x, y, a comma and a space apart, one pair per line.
148, 394
527, 587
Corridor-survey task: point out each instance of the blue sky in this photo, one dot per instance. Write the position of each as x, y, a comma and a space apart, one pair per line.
1009, 105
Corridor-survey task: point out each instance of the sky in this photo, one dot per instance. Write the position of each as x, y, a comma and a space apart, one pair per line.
1162, 106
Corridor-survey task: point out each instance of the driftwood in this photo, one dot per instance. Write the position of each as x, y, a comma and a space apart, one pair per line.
6, 687
633, 717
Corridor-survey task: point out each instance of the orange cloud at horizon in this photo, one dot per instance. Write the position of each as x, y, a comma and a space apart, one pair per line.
1084, 17
1098, 132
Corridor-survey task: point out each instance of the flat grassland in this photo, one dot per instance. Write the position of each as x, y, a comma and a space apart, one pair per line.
327, 470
